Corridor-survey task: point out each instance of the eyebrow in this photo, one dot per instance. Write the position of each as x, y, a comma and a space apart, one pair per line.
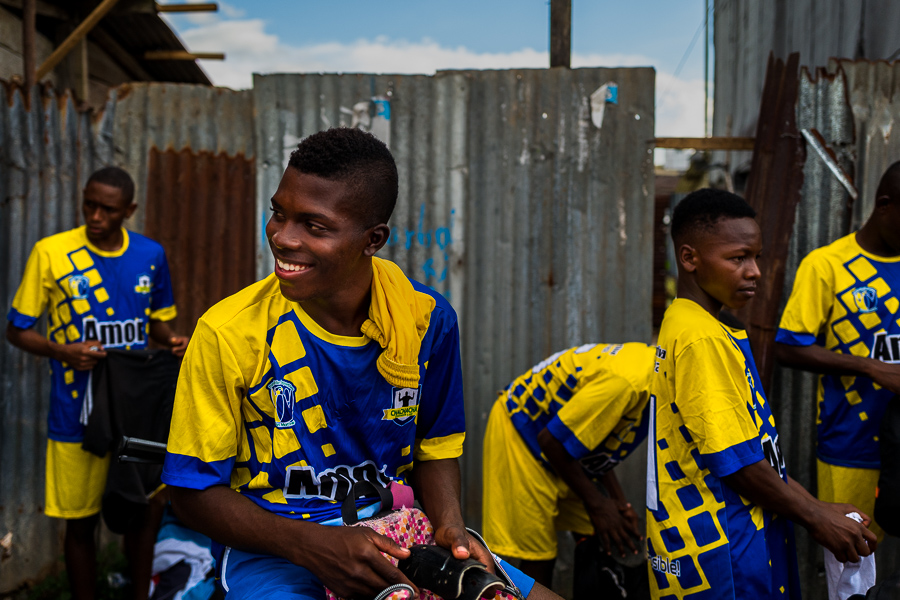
305, 215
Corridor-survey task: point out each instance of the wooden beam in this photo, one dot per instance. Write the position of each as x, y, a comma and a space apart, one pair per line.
182, 8
182, 55
705, 143
76, 36
120, 55
561, 33
29, 44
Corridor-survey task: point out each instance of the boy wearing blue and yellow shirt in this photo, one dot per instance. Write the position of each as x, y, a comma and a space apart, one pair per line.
102, 286
334, 369
841, 321
719, 499
565, 422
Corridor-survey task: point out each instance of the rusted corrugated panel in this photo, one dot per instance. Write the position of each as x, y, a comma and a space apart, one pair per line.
536, 224
46, 154
200, 207
773, 190
177, 116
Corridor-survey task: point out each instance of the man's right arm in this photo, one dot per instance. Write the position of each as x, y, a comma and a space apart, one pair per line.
826, 522
817, 359
81, 356
348, 560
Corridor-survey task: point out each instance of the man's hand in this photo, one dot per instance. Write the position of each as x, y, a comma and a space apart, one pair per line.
885, 375
81, 356
349, 562
178, 344
462, 545
615, 523
847, 539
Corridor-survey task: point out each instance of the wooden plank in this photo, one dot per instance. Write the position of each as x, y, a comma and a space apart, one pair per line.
182, 55
77, 35
561, 33
181, 8
707, 143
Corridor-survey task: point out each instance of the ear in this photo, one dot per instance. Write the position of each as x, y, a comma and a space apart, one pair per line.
130, 210
378, 236
687, 258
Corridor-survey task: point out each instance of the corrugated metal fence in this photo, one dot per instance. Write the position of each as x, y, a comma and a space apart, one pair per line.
535, 223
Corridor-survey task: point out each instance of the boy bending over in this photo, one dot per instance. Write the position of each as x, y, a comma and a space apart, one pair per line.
719, 498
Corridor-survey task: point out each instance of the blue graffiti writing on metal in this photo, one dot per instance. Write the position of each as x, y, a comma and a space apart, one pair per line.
442, 237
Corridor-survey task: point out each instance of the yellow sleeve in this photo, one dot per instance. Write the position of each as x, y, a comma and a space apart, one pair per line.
809, 306
33, 294
594, 412
206, 419
713, 396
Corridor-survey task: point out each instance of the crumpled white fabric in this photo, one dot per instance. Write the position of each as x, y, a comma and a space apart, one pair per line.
848, 578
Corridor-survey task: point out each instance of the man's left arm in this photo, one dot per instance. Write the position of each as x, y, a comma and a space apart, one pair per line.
162, 334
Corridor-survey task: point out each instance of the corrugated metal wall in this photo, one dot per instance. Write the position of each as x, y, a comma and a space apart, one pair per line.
534, 223
47, 151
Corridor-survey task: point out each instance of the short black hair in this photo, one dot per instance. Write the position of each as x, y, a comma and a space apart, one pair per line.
117, 178
701, 210
360, 160
889, 185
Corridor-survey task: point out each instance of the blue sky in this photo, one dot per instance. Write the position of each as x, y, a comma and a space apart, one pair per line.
421, 36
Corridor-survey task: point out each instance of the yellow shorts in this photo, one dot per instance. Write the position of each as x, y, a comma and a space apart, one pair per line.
75, 481
524, 503
850, 486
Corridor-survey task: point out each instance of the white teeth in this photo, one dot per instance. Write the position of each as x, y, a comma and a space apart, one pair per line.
290, 267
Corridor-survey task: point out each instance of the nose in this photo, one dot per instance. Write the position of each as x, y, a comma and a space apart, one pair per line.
752, 270
93, 215
284, 236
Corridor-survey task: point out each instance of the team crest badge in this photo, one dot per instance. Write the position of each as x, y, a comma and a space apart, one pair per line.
79, 286
143, 284
404, 406
283, 397
866, 299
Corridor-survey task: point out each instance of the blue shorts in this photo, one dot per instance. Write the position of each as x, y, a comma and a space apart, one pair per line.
245, 575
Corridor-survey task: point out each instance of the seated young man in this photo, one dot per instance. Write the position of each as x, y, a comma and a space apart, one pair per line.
565, 422
719, 498
334, 369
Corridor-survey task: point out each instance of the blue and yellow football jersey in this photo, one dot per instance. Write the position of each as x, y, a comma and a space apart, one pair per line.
591, 398
847, 301
709, 419
290, 415
90, 294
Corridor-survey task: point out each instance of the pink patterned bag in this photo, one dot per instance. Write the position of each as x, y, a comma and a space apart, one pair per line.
407, 527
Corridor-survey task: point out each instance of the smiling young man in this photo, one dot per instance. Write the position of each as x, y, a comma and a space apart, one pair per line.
334, 369
102, 287
719, 498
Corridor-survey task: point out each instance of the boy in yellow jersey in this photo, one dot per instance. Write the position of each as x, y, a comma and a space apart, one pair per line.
333, 370
841, 321
719, 499
570, 419
102, 287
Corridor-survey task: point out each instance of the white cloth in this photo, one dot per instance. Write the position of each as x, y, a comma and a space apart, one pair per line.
848, 578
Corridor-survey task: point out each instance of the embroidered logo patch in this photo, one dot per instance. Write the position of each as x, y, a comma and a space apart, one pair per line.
404, 406
283, 395
866, 299
78, 287
143, 284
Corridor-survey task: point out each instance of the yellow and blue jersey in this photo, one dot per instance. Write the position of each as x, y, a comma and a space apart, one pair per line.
290, 415
591, 398
709, 419
847, 300
90, 294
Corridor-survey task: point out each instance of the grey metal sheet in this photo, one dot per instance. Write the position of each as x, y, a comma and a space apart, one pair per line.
536, 225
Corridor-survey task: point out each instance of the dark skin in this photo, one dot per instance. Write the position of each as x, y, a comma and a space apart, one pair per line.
324, 261
104, 209
718, 267
879, 236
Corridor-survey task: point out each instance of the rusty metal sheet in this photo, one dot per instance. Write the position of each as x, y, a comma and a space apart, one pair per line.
200, 207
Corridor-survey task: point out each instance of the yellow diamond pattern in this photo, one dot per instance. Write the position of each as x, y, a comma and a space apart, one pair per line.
328, 450
859, 349
405, 451
853, 397
275, 497
285, 442
314, 417
862, 268
892, 304
82, 260
870, 320
94, 277
81, 306
69, 376
849, 302
848, 381
845, 331
101, 294
72, 333
110, 311
881, 287
863, 416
